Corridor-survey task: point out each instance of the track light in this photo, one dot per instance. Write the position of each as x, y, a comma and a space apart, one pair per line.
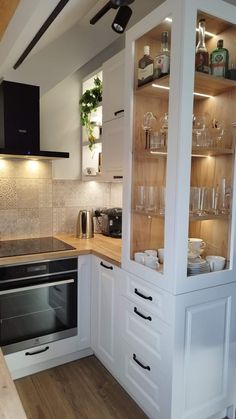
122, 18
123, 15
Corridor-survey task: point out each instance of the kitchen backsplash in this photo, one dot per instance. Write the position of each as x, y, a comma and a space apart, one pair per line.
32, 204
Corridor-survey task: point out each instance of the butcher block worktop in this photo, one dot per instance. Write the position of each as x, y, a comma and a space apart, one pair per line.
10, 404
107, 248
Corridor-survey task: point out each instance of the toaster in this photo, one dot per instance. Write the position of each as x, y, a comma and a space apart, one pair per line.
111, 222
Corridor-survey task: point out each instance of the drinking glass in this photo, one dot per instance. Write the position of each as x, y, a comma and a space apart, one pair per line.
140, 198
199, 131
151, 198
198, 201
213, 194
148, 124
224, 197
161, 200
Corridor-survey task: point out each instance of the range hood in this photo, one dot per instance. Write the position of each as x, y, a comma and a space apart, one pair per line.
19, 123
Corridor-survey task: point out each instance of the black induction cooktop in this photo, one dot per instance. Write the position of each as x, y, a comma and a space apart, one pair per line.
32, 246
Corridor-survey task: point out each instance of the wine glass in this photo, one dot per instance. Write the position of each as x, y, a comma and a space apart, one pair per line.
199, 130
148, 123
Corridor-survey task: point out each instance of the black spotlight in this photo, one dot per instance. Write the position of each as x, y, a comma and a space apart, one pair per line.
122, 18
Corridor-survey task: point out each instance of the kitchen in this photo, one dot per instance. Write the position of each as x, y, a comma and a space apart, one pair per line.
42, 199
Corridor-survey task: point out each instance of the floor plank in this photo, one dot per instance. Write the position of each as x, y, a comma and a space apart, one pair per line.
82, 389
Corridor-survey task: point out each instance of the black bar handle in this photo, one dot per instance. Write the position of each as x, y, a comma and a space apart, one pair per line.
37, 352
142, 295
105, 266
145, 367
117, 177
142, 315
117, 112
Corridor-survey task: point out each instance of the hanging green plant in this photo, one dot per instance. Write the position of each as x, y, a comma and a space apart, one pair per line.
88, 104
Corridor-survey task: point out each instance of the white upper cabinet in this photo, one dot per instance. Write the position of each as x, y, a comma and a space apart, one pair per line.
113, 87
179, 192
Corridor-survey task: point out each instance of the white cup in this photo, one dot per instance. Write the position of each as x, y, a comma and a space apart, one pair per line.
151, 252
217, 263
195, 247
139, 257
151, 261
161, 255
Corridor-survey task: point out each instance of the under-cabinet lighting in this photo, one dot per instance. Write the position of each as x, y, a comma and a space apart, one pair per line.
202, 95
164, 153
199, 155
159, 86
169, 19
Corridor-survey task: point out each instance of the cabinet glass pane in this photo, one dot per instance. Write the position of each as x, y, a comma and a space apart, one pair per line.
150, 144
212, 148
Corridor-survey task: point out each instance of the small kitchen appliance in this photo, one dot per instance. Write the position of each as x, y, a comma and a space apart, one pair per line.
85, 225
112, 222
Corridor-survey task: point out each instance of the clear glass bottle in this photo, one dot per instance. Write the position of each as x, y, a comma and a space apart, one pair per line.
162, 60
219, 60
145, 67
202, 56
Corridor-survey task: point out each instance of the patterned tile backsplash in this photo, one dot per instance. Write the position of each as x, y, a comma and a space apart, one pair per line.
32, 204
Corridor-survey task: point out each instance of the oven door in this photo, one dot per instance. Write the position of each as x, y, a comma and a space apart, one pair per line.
38, 311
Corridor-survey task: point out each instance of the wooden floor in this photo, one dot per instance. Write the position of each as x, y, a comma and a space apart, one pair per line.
82, 389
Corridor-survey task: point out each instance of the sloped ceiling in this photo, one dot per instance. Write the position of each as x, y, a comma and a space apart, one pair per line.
68, 44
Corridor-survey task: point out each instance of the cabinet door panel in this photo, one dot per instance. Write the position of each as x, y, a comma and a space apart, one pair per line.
113, 87
112, 148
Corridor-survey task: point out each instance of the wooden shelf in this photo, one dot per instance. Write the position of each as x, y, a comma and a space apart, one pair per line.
204, 84
196, 152
192, 218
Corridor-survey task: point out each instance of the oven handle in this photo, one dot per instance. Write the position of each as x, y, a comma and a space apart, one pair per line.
48, 284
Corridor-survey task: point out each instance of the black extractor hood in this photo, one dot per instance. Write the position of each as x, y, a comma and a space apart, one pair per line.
19, 122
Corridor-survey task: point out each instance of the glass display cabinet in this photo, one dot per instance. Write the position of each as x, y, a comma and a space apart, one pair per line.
181, 117
179, 207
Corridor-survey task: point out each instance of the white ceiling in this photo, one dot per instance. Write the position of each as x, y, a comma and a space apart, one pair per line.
73, 20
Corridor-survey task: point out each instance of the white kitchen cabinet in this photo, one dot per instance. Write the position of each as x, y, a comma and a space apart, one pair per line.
112, 150
158, 212
113, 118
104, 312
113, 87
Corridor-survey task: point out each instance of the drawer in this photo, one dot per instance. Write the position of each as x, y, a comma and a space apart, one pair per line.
153, 298
145, 383
146, 333
22, 359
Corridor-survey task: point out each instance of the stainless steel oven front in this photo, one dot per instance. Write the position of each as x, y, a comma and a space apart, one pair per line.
38, 303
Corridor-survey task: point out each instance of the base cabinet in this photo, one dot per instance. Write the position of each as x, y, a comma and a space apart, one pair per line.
36, 359
104, 314
176, 357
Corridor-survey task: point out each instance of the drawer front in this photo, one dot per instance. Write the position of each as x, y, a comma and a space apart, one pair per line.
42, 353
154, 299
144, 382
146, 333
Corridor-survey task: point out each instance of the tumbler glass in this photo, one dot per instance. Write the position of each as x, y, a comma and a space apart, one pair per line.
140, 198
151, 198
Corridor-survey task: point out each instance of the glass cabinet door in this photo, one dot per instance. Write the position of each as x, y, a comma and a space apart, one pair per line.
150, 146
212, 163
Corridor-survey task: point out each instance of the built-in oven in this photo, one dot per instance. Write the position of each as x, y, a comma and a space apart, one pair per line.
38, 303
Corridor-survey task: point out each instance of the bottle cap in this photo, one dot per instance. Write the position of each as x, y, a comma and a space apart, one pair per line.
146, 50
220, 43
164, 36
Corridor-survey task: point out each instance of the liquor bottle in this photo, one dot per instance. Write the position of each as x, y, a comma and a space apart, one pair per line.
145, 67
219, 60
202, 56
162, 60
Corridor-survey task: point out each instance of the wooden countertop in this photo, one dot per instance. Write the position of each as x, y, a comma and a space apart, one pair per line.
107, 248
10, 404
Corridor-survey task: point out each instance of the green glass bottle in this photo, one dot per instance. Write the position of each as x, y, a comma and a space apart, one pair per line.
219, 60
